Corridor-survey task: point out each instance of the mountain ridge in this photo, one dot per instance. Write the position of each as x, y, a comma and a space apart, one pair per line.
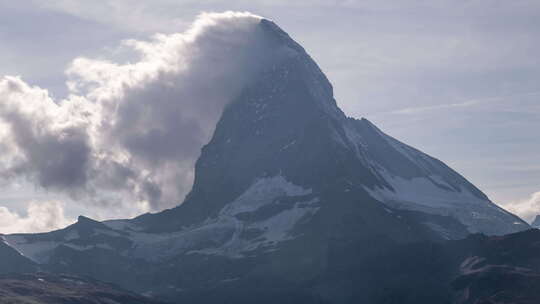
288, 191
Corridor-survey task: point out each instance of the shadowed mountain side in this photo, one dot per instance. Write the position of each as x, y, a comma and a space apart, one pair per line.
13, 261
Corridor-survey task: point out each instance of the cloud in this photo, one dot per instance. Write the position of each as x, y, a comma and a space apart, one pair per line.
528, 209
44, 141
460, 105
40, 217
132, 131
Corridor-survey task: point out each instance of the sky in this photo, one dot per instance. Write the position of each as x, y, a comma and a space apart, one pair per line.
459, 80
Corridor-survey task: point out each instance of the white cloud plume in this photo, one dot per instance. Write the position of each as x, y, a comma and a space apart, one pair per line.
40, 217
528, 208
132, 131
43, 140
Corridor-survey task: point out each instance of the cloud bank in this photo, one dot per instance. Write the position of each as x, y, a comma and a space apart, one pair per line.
129, 133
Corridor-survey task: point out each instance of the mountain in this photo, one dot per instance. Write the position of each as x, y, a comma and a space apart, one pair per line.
13, 260
475, 270
536, 222
292, 202
287, 126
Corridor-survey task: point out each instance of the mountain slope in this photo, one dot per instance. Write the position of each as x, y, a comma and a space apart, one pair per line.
288, 193
13, 260
47, 288
287, 124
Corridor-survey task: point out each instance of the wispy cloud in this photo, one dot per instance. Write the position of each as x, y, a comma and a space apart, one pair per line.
460, 105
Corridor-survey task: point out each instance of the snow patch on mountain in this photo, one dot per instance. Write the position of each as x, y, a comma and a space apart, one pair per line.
424, 192
241, 226
433, 195
263, 216
262, 192
411, 180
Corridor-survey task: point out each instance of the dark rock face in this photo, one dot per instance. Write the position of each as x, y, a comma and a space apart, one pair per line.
293, 202
13, 261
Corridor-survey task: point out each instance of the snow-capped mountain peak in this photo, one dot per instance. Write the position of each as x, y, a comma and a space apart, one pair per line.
285, 177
